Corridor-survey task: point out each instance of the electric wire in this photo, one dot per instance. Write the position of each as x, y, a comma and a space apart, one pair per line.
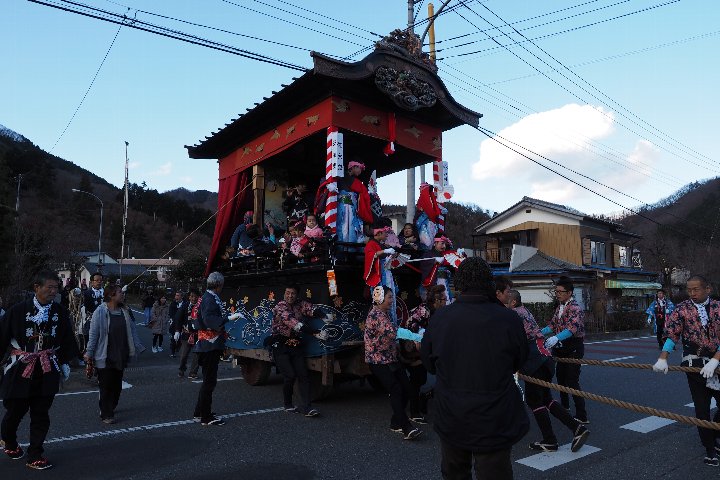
92, 82
260, 12
577, 86
165, 32
330, 18
659, 133
562, 32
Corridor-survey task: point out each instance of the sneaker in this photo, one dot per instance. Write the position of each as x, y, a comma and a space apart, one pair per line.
197, 418
108, 421
396, 429
215, 421
544, 446
291, 409
582, 420
192, 376
40, 464
159, 349
312, 413
172, 355
581, 435
154, 349
411, 433
16, 453
419, 419
81, 363
712, 461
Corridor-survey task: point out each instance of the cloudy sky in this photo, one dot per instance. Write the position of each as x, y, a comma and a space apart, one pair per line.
619, 96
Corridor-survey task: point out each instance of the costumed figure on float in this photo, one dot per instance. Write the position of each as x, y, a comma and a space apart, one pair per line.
378, 258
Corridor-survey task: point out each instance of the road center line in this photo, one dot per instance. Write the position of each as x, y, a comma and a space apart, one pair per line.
617, 340
221, 379
619, 358
125, 386
120, 431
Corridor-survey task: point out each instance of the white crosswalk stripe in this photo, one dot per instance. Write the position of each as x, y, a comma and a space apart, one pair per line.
648, 424
547, 460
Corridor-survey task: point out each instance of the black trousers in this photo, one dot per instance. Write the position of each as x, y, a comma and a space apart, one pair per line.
15, 410
458, 464
568, 374
660, 325
418, 377
395, 381
174, 346
291, 363
209, 362
701, 396
542, 403
157, 340
110, 381
185, 352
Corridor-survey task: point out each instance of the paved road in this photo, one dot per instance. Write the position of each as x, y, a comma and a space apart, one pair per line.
155, 438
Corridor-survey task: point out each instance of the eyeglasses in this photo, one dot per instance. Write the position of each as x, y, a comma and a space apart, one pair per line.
561, 291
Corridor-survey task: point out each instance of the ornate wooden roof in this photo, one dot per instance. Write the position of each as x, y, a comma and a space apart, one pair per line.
392, 78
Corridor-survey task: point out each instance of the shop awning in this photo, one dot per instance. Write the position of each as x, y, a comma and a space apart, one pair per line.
632, 285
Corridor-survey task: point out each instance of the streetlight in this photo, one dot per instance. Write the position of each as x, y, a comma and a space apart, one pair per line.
101, 222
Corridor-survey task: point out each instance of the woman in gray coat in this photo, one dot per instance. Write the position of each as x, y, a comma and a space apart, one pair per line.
112, 342
160, 322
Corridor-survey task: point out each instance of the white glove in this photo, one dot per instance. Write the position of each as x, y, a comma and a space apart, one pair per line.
176, 337
65, 370
662, 366
329, 318
439, 259
298, 326
461, 252
389, 251
234, 316
323, 335
551, 342
649, 320
709, 369
332, 187
124, 288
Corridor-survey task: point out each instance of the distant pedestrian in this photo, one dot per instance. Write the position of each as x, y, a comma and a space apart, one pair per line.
175, 307
112, 344
159, 323
474, 346
695, 323
186, 334
658, 311
38, 336
147, 303
540, 365
92, 298
565, 335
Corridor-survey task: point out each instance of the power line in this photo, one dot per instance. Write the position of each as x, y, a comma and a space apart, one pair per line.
210, 27
574, 83
619, 55
568, 30
92, 82
493, 136
244, 7
532, 18
163, 31
658, 131
330, 18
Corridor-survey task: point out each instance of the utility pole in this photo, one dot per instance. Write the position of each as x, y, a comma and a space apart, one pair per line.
410, 211
125, 209
17, 200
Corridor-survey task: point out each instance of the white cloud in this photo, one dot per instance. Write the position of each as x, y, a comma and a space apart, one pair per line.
133, 165
557, 191
554, 134
164, 170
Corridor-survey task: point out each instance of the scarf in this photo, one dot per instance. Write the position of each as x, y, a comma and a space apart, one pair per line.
702, 311
561, 308
43, 312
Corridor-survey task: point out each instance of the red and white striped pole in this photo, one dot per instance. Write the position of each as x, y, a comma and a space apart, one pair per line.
334, 167
438, 182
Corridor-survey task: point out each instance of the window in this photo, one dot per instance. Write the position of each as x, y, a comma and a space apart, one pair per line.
625, 260
597, 252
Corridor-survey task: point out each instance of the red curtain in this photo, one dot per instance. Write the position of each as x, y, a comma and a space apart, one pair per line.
231, 215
